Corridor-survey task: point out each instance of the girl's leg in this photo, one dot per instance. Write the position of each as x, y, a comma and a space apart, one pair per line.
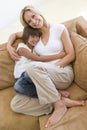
25, 86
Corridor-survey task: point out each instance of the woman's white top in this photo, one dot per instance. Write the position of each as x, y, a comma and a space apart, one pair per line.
54, 44
21, 64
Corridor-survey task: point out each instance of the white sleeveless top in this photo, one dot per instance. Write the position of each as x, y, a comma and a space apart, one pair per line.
54, 44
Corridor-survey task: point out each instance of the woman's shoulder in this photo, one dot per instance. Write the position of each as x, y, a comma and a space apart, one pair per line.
57, 28
59, 25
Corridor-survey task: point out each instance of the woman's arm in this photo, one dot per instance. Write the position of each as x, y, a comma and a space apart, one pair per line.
70, 54
26, 53
10, 49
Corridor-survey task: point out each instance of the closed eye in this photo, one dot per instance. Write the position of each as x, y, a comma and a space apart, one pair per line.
33, 15
32, 18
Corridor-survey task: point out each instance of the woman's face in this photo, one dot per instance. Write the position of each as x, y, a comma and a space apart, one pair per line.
33, 19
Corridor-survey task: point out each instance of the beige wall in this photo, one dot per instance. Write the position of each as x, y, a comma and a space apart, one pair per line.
54, 10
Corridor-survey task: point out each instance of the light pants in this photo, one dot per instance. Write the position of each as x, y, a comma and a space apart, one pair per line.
29, 106
48, 78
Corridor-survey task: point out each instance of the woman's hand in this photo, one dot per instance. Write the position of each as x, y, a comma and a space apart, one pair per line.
62, 54
14, 55
12, 50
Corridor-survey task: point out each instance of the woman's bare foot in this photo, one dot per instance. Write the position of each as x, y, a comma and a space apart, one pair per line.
71, 103
59, 111
64, 93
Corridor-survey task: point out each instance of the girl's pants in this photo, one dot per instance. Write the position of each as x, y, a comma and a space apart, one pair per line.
25, 86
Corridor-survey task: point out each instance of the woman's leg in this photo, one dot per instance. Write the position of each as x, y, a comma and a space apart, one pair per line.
29, 106
45, 78
59, 111
25, 86
72, 103
64, 93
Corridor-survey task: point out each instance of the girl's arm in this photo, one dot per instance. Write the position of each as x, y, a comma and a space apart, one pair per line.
70, 54
26, 53
12, 50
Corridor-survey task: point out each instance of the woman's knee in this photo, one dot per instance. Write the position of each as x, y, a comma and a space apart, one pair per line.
16, 103
31, 68
13, 105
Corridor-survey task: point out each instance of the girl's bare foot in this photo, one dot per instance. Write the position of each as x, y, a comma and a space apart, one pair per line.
71, 103
59, 111
64, 93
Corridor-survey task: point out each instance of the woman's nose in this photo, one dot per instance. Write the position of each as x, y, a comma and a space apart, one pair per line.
33, 21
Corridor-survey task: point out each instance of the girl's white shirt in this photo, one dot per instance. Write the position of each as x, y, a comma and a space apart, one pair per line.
20, 66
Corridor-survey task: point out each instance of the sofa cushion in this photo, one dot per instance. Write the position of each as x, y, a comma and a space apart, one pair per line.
68, 23
81, 26
76, 92
72, 28
10, 120
80, 64
6, 66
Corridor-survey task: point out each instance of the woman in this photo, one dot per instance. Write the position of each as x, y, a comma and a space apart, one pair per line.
51, 76
23, 84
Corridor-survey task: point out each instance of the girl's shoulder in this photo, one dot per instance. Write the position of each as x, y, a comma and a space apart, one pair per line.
23, 45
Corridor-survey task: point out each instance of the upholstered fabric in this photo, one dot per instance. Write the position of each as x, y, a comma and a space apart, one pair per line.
81, 26
10, 120
6, 66
74, 119
76, 92
80, 63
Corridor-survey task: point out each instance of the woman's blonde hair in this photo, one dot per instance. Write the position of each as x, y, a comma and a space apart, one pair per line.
32, 9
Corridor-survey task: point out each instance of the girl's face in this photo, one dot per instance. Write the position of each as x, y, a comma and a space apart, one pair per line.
33, 40
33, 19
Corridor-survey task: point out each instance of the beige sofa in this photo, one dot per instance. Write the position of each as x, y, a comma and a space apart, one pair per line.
76, 117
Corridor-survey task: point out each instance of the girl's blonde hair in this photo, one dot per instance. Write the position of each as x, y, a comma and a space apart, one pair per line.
32, 9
